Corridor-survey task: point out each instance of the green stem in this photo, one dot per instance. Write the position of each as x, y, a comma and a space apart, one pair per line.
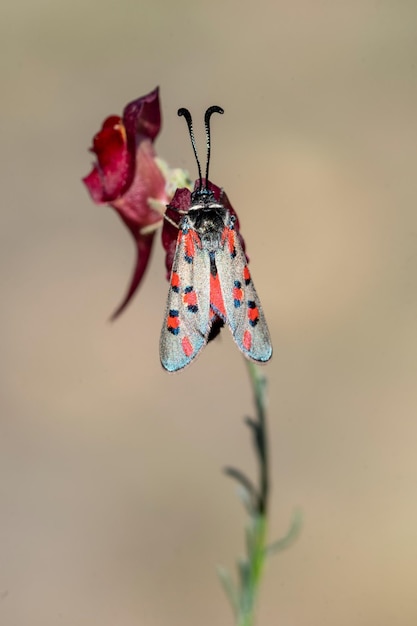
256, 561
257, 528
243, 597
258, 382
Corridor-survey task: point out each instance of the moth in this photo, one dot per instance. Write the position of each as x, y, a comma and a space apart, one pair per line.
210, 279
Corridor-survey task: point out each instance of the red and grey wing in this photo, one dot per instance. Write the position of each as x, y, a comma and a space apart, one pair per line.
244, 313
187, 318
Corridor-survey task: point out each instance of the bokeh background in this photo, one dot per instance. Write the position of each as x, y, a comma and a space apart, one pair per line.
113, 507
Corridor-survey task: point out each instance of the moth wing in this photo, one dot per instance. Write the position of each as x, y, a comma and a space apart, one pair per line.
245, 316
187, 318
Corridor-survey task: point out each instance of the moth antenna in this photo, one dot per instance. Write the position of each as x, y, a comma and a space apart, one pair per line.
207, 116
189, 120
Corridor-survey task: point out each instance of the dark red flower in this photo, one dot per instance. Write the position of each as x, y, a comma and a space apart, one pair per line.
126, 176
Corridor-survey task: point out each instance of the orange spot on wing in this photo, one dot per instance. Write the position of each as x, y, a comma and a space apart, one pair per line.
253, 314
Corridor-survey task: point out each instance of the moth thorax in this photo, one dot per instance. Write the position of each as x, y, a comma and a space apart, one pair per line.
209, 223
207, 218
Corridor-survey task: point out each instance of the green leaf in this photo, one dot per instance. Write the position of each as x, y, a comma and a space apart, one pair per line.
229, 588
291, 536
251, 497
250, 534
244, 574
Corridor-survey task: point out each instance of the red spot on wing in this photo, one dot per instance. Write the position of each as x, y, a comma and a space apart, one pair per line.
247, 340
253, 314
189, 245
246, 275
228, 235
231, 240
186, 346
225, 234
175, 280
237, 294
190, 298
173, 322
191, 240
216, 296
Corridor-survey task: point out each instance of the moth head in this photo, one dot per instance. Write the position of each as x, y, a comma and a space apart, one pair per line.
202, 197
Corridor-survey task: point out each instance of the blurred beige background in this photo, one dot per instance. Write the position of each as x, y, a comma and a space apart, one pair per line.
113, 508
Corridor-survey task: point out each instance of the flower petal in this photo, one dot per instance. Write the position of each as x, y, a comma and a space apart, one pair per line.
143, 253
127, 177
116, 144
180, 202
148, 182
109, 176
142, 117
